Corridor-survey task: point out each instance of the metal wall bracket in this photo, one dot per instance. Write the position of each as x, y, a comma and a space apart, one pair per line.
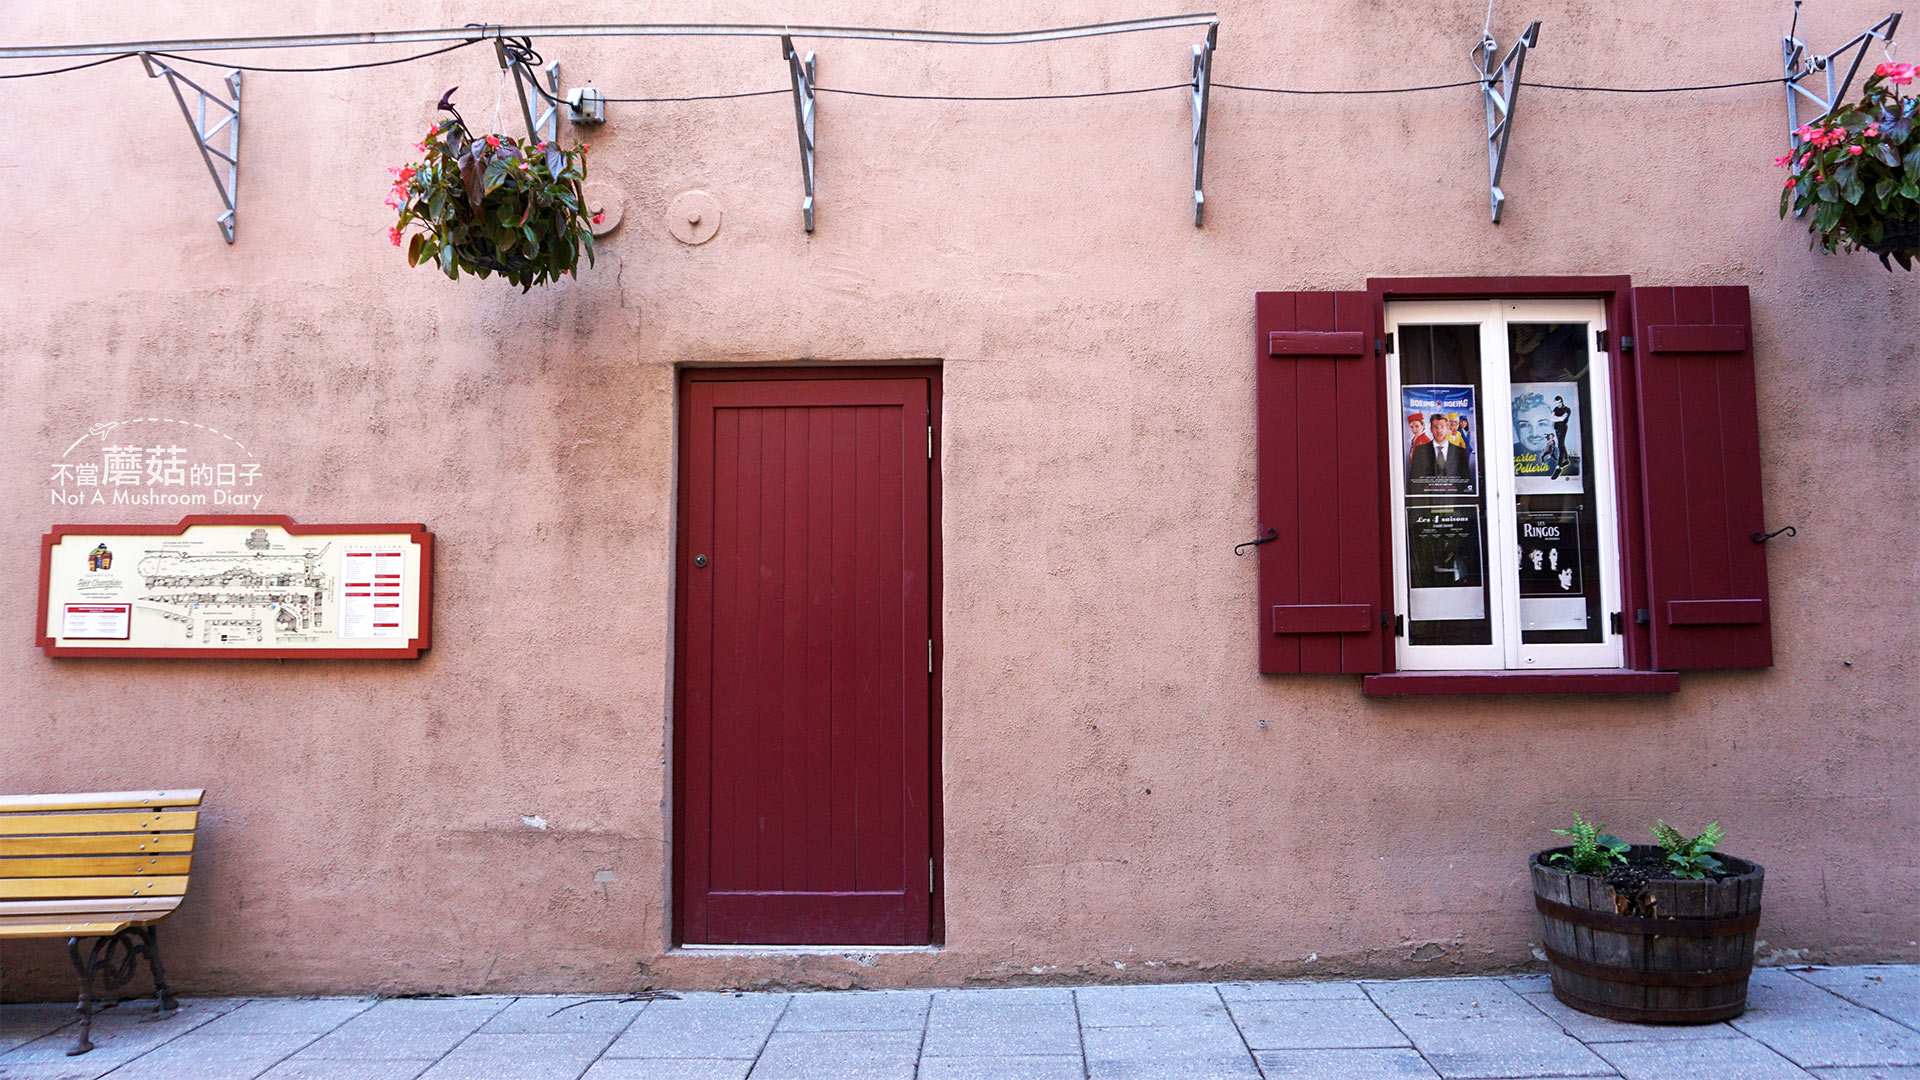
802, 71
1799, 64
541, 111
1500, 83
1202, 83
209, 136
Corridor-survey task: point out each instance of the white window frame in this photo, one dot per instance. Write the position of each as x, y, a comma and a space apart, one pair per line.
1507, 651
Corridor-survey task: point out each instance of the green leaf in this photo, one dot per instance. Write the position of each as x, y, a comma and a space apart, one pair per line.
1886, 153
413, 248
1884, 187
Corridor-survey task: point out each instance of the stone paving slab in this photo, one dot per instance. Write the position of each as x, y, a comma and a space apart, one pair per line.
1718, 1059
1858, 1023
1149, 1006
1355, 1064
1287, 991
1029, 1067
858, 1011
1815, 1028
1315, 1023
563, 1015
1893, 992
346, 1070
669, 1069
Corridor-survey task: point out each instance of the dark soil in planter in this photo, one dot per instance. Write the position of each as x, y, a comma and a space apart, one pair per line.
1901, 242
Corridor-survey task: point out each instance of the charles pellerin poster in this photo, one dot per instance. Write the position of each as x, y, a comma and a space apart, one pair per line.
1445, 575
1553, 589
1439, 434
1547, 444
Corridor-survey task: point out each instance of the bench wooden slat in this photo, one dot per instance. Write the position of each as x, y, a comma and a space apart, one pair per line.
95, 867
103, 800
71, 824
62, 929
102, 844
146, 908
83, 887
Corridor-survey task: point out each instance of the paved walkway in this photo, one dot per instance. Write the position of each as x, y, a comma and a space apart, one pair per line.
1856, 1023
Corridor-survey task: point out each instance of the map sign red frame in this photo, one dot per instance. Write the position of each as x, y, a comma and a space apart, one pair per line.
414, 532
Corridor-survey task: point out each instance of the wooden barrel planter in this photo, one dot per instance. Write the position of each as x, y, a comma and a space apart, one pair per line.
1679, 953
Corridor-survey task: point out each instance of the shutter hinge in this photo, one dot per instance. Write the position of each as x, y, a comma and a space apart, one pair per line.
1383, 346
1619, 622
929, 875
929, 442
1600, 340
929, 656
1626, 343
1642, 617
1399, 626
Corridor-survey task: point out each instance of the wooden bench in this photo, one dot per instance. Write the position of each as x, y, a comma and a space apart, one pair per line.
106, 866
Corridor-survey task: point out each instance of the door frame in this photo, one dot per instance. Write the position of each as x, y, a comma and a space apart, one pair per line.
682, 571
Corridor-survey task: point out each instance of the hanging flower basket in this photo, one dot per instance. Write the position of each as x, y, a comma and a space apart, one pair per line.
492, 205
1856, 172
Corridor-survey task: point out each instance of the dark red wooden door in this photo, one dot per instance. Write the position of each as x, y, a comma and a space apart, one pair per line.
804, 691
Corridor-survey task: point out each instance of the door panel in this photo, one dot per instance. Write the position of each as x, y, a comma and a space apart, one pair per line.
803, 728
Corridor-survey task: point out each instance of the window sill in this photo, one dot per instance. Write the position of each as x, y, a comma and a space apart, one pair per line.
1570, 681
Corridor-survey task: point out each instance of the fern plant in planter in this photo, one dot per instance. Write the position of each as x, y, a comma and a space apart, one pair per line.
492, 205
1654, 933
1856, 172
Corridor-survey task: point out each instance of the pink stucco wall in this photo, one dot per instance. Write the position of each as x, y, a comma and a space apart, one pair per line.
365, 820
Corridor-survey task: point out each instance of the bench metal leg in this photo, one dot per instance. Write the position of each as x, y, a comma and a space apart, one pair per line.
86, 968
113, 961
163, 1002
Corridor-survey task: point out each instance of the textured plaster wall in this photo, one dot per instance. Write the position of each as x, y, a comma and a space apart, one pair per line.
1124, 797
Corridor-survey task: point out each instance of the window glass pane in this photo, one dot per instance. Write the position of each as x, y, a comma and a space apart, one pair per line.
1555, 501
1445, 486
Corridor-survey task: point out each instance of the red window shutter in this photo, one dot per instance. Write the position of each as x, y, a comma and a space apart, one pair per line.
1319, 405
1700, 475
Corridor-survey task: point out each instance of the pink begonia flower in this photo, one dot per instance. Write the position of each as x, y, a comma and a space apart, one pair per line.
1782, 160
420, 147
1856, 151
598, 218
493, 143
393, 234
1789, 183
1897, 74
1806, 159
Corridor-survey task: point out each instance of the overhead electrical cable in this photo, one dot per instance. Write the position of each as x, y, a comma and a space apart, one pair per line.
64, 70
336, 67
1657, 89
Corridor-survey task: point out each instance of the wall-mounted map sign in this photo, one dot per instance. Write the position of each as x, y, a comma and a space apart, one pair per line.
245, 586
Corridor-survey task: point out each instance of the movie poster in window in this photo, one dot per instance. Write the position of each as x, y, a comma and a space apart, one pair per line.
1445, 574
1553, 588
1439, 432
1548, 451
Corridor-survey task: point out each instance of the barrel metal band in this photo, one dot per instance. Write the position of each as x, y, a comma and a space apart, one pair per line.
1614, 974
1729, 926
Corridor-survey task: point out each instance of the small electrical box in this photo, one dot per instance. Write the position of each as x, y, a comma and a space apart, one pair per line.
586, 105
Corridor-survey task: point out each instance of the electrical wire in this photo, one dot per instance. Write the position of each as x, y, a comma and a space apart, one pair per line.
64, 70
336, 67
1001, 97
1389, 90
693, 97
1656, 89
